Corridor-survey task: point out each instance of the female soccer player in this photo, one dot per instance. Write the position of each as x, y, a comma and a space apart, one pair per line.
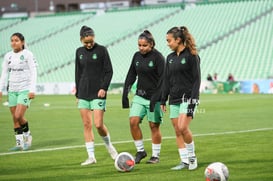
93, 74
181, 85
19, 74
148, 67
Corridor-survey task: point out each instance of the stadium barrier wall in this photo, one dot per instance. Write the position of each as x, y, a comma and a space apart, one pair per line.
245, 87
209, 87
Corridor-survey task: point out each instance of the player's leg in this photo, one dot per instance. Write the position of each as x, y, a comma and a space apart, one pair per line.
15, 112
137, 112
27, 134
18, 132
19, 117
138, 138
156, 142
23, 102
86, 115
183, 124
104, 133
155, 119
98, 105
183, 153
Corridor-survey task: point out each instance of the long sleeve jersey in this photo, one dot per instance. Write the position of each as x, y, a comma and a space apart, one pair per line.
93, 71
182, 77
148, 69
19, 71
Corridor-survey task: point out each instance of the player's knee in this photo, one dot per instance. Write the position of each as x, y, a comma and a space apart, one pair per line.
18, 117
154, 127
177, 131
184, 129
87, 125
99, 126
134, 123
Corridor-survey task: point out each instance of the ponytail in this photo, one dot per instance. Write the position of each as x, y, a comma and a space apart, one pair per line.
186, 38
86, 31
147, 35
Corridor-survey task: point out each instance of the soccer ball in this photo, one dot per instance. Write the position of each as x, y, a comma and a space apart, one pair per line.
216, 171
124, 162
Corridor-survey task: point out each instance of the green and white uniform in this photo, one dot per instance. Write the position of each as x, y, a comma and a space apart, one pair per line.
19, 74
148, 71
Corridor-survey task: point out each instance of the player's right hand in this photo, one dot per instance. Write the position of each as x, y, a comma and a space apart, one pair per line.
125, 102
163, 108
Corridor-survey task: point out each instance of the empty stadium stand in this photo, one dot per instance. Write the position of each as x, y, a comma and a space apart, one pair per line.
232, 37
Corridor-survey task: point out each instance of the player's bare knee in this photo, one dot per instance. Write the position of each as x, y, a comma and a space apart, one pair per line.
18, 118
184, 130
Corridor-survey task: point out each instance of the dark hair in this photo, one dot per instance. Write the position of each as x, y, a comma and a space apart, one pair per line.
20, 36
147, 35
86, 31
186, 38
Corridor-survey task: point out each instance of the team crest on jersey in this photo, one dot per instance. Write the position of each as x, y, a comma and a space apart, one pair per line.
100, 104
151, 63
137, 63
94, 56
170, 61
183, 61
81, 56
22, 57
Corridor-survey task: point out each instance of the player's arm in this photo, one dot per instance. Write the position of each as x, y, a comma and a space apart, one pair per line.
129, 81
160, 71
195, 63
165, 86
33, 75
77, 73
4, 76
108, 71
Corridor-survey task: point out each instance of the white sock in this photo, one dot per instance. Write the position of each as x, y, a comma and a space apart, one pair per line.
26, 134
156, 150
139, 145
191, 149
107, 140
19, 140
183, 153
90, 148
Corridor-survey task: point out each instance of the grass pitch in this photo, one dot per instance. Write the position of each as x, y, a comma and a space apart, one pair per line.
234, 129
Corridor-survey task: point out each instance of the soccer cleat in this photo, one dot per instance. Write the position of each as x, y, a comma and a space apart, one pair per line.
26, 147
16, 148
180, 166
112, 151
192, 163
153, 160
89, 161
27, 142
139, 156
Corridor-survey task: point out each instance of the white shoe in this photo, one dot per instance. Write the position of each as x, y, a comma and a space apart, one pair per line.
16, 148
89, 161
112, 151
192, 163
27, 142
181, 166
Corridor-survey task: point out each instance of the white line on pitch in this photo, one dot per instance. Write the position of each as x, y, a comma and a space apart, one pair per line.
122, 142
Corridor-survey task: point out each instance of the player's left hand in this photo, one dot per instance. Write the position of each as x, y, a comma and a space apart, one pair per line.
191, 107
31, 95
101, 93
